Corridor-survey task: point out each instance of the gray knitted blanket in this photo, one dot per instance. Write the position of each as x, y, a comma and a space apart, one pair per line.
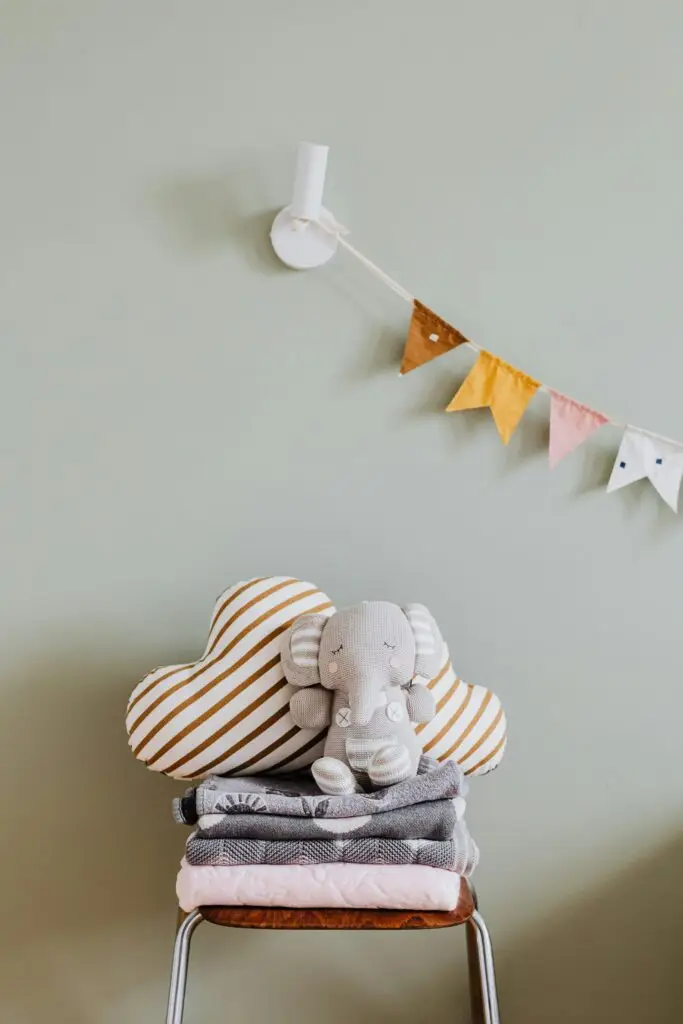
433, 819
459, 853
298, 795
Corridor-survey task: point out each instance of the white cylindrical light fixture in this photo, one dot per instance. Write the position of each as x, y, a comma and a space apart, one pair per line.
296, 234
309, 181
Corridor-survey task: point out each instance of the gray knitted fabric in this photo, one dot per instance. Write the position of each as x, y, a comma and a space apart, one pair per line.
435, 819
375, 659
299, 796
459, 853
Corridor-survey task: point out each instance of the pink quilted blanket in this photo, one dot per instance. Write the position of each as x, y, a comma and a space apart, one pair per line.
389, 887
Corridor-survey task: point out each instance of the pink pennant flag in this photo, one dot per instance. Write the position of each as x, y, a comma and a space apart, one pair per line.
570, 425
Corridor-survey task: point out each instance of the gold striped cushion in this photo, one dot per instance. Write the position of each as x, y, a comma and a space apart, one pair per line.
229, 711
469, 726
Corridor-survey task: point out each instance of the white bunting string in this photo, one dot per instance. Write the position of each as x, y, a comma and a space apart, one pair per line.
332, 227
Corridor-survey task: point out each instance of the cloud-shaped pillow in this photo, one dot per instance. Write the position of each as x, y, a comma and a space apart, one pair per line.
469, 725
228, 713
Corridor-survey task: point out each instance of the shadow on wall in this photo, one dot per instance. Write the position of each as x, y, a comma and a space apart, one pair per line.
89, 849
613, 955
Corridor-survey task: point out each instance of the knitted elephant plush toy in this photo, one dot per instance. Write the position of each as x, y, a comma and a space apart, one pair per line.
362, 672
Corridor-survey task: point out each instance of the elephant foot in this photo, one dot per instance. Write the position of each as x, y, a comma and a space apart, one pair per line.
334, 777
390, 765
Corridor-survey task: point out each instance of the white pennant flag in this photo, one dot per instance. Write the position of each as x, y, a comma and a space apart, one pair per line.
646, 455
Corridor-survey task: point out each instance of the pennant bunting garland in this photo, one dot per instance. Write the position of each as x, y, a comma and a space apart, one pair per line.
570, 425
428, 337
503, 388
646, 455
506, 391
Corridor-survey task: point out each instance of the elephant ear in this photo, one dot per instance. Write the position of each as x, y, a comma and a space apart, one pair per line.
428, 640
300, 650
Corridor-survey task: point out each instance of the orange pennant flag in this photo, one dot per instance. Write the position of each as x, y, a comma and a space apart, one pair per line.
505, 390
428, 337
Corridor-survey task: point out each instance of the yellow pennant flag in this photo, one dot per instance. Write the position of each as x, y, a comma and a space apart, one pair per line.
503, 388
428, 337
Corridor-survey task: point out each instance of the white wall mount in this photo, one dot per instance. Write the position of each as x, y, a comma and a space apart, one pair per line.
297, 237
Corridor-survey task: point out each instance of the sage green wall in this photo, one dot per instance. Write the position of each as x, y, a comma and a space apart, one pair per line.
178, 412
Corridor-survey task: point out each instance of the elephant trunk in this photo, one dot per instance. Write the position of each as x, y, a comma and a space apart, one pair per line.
363, 704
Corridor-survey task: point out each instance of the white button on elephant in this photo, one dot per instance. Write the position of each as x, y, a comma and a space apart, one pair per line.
361, 672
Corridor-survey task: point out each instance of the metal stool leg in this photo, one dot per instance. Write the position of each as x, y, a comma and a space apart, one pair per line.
487, 974
181, 953
474, 975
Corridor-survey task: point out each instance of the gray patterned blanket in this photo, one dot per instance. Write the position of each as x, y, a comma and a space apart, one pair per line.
459, 853
298, 795
432, 819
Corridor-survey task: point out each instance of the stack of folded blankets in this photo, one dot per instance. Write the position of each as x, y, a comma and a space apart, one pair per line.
278, 841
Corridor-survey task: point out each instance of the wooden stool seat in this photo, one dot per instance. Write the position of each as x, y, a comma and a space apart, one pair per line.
335, 919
